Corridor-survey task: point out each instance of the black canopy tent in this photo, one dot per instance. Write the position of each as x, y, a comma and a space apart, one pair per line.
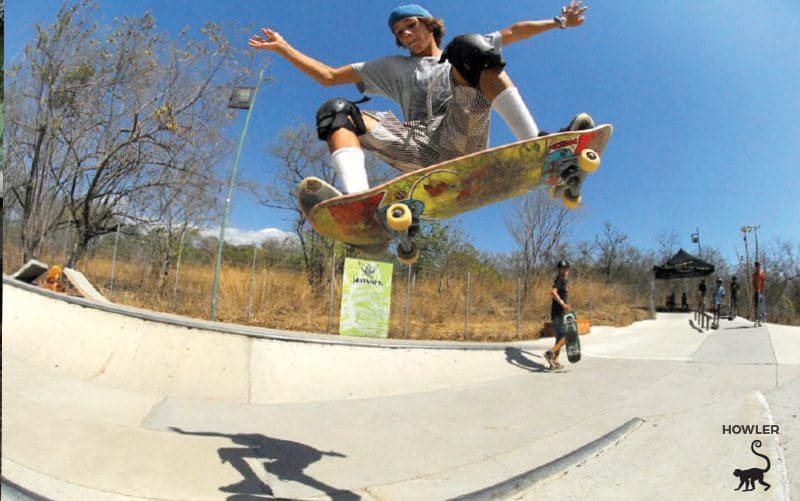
683, 265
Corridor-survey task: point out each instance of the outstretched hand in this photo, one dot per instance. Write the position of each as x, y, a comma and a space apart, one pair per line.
573, 13
272, 40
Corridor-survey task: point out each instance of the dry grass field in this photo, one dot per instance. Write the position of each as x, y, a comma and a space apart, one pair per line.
283, 299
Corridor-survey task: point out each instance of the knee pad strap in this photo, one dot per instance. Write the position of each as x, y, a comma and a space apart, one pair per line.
339, 113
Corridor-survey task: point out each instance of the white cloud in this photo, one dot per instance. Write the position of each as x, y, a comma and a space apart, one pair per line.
235, 236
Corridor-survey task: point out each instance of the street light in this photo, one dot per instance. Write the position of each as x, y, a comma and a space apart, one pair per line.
696, 240
243, 98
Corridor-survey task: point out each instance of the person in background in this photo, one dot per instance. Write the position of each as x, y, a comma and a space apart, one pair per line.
558, 308
759, 309
734, 287
701, 296
719, 294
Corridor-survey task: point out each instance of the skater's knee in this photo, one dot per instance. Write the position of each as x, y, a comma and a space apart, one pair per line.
337, 114
471, 55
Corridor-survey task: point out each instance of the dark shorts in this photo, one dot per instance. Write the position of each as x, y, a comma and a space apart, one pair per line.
558, 326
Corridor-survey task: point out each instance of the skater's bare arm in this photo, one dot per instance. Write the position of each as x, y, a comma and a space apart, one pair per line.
573, 13
319, 71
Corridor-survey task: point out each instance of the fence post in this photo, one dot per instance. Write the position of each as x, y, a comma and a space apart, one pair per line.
330, 299
408, 302
519, 301
466, 308
114, 259
252, 277
178, 272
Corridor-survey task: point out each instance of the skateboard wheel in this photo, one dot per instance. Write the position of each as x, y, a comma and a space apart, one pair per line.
408, 256
589, 160
399, 217
569, 201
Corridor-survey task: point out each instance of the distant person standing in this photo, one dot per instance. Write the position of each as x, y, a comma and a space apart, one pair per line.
759, 308
558, 308
734, 298
701, 296
719, 294
684, 301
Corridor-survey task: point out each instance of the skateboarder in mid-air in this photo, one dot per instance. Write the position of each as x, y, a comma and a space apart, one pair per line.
445, 95
558, 308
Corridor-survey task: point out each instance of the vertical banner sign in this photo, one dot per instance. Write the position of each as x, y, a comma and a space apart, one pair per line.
366, 298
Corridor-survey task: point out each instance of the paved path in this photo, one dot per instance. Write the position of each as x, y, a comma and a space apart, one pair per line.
109, 402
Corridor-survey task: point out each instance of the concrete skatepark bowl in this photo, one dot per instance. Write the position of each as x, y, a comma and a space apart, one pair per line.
102, 401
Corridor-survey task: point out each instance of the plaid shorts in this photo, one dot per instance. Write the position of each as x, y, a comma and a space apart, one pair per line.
410, 146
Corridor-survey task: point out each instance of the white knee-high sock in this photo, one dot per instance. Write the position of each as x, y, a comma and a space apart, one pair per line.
349, 164
511, 107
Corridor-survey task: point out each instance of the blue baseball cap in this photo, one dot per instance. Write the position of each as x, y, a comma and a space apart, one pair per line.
404, 11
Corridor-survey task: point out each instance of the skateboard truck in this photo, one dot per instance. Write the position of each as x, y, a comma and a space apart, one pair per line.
586, 162
402, 219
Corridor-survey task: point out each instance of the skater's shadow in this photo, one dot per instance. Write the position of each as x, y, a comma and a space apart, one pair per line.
282, 458
524, 360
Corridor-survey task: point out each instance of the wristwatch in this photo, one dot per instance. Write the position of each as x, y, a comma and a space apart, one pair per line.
562, 21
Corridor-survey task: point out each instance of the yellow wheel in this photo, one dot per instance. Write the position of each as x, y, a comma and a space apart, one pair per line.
407, 256
589, 160
570, 202
399, 217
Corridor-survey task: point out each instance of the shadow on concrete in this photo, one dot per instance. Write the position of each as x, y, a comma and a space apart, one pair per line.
522, 359
282, 458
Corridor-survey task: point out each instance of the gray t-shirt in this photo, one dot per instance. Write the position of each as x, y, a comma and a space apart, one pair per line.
410, 80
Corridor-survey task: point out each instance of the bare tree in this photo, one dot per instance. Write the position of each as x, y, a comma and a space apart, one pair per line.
100, 119
668, 245
538, 225
612, 246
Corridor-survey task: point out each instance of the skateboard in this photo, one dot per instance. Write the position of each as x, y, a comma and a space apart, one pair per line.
393, 210
573, 338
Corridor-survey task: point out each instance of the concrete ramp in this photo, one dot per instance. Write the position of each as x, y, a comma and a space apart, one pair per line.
30, 271
79, 281
102, 401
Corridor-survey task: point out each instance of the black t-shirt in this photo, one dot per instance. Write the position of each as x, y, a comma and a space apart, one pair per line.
561, 286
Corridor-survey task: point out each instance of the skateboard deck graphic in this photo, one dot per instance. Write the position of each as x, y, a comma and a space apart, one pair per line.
560, 161
573, 338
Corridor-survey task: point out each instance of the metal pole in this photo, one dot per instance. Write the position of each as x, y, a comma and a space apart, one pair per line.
699, 249
218, 266
755, 231
114, 259
745, 230
252, 277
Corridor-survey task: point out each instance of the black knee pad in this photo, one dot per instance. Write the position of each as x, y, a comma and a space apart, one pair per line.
470, 55
337, 113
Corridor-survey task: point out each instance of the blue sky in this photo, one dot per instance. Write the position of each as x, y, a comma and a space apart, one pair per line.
704, 98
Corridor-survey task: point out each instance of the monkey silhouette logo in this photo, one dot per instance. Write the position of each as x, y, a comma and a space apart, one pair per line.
748, 478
